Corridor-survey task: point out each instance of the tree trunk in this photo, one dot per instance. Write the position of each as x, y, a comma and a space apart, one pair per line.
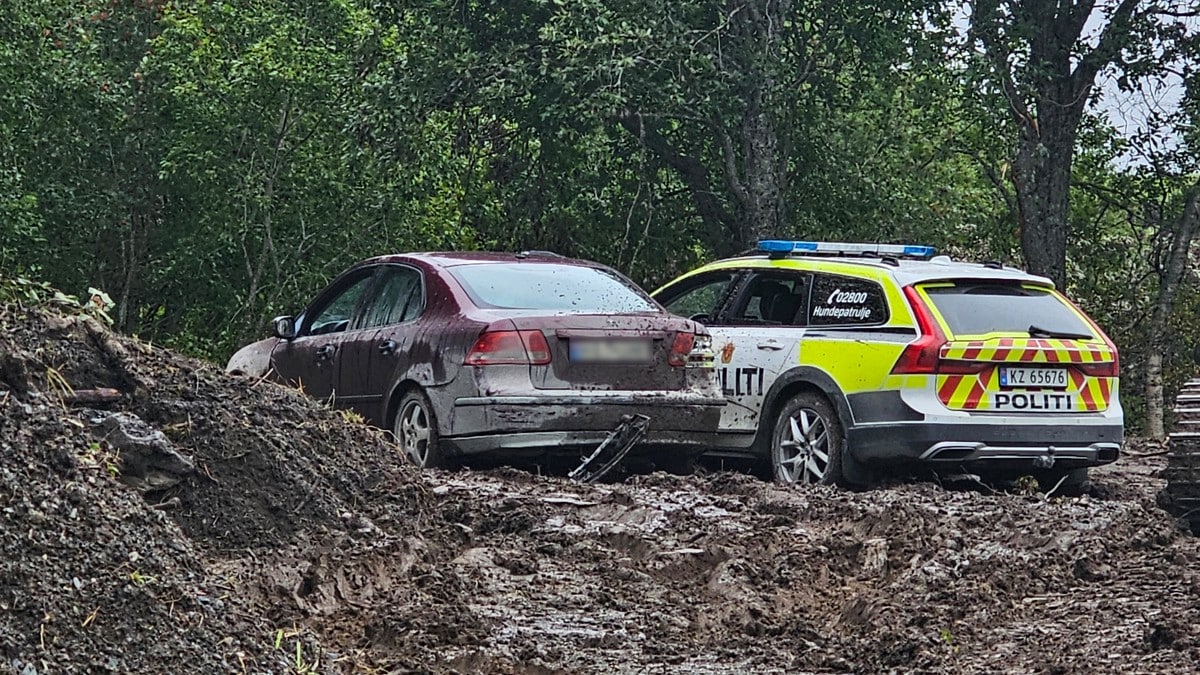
1042, 177
762, 199
1164, 305
1155, 427
1046, 70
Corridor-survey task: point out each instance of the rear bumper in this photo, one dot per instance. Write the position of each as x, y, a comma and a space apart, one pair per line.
992, 445
575, 421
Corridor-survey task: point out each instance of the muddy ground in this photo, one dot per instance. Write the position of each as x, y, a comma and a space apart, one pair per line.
285, 538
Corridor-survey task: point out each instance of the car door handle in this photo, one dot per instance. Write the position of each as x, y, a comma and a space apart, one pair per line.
325, 351
770, 345
387, 346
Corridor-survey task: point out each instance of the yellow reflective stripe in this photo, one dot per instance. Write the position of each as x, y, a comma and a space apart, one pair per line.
1034, 350
961, 386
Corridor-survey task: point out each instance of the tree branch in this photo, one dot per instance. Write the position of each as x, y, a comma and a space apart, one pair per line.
997, 181
732, 177
719, 223
983, 28
1112, 40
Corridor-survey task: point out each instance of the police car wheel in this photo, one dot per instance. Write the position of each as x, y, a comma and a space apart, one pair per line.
806, 446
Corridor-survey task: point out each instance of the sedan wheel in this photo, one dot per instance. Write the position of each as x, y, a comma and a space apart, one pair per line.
807, 444
415, 429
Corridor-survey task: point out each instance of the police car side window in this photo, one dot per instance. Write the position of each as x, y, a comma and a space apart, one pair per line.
846, 301
773, 300
700, 300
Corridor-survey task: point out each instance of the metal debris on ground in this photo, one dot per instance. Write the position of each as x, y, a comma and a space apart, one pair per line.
612, 449
1182, 494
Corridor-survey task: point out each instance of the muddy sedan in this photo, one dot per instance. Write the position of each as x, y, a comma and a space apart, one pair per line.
463, 354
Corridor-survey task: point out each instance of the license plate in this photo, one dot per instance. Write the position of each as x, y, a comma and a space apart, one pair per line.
1033, 378
610, 351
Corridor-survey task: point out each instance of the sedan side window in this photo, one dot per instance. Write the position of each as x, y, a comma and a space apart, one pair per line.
700, 301
336, 315
398, 299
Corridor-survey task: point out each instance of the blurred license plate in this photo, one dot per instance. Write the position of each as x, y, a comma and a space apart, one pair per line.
610, 351
1034, 378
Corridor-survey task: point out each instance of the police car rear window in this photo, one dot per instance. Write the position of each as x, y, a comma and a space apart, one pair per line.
980, 308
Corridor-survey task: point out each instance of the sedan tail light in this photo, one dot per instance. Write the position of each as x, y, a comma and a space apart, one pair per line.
681, 349
509, 347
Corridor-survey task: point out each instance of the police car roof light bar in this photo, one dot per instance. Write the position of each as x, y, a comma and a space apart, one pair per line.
783, 246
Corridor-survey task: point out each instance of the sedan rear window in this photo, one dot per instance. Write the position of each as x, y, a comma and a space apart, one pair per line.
981, 308
565, 288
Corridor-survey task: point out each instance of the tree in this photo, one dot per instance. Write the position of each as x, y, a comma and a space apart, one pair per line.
731, 96
1175, 265
1044, 57
1180, 232
20, 223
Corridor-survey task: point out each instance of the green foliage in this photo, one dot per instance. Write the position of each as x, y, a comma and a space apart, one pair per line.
212, 164
25, 292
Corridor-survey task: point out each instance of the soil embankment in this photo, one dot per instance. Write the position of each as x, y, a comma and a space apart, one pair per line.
229, 525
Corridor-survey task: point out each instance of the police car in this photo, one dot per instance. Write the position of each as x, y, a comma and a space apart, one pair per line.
838, 359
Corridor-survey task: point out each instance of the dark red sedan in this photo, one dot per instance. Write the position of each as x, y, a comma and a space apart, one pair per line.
467, 353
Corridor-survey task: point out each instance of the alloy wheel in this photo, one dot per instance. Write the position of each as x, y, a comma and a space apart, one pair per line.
415, 432
803, 450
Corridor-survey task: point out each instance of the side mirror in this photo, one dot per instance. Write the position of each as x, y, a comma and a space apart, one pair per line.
283, 327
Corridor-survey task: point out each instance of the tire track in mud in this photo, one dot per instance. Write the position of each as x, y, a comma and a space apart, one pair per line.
727, 574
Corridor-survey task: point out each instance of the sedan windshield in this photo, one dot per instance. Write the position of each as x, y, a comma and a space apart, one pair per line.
553, 287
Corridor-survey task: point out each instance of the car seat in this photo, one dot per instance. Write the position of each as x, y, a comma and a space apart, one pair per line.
783, 308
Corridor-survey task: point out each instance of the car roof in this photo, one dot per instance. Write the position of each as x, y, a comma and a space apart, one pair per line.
457, 258
905, 271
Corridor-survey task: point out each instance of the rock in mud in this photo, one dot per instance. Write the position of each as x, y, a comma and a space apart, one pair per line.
149, 461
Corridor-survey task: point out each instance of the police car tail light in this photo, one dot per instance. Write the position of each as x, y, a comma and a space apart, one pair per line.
509, 347
1103, 369
947, 367
921, 356
681, 349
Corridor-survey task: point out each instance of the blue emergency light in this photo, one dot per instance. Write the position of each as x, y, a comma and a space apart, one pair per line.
840, 248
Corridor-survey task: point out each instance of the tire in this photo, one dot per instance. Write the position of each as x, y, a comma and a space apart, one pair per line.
807, 444
415, 431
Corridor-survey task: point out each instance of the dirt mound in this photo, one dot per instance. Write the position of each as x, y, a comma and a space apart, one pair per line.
269, 462
90, 578
159, 512
160, 516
